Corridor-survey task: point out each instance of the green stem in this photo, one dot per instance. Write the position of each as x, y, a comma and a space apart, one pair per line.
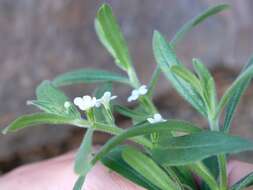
223, 172
154, 80
201, 170
223, 179
114, 131
133, 77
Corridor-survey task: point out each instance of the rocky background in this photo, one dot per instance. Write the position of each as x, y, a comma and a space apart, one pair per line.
40, 39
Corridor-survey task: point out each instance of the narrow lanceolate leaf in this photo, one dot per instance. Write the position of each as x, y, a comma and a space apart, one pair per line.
235, 98
207, 84
51, 100
115, 162
195, 147
247, 181
166, 58
82, 162
246, 75
79, 183
111, 37
171, 125
187, 76
196, 21
148, 169
186, 28
40, 119
88, 76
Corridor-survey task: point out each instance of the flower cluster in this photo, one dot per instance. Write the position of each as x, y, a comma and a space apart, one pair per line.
136, 93
156, 118
85, 103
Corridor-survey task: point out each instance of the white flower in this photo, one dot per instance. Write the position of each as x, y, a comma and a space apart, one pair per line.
67, 104
142, 90
86, 102
105, 99
156, 119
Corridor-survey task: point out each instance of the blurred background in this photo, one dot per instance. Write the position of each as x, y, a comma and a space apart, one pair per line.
40, 39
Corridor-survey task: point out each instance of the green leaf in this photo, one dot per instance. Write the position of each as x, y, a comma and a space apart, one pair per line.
247, 181
170, 125
198, 146
88, 76
212, 165
200, 170
166, 58
42, 118
114, 161
111, 37
79, 183
82, 162
186, 28
185, 176
235, 98
188, 77
148, 169
207, 84
196, 21
51, 100
243, 77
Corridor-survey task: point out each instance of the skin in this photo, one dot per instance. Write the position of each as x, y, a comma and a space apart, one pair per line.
57, 174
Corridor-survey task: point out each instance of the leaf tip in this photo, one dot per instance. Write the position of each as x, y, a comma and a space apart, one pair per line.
5, 131
156, 34
104, 7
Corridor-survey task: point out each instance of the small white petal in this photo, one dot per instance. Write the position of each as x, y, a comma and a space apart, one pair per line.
157, 117
98, 103
67, 104
132, 98
78, 101
113, 97
95, 102
143, 90
87, 99
107, 94
151, 120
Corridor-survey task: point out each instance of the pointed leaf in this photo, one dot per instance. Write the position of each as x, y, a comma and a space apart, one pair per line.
166, 58
185, 29
170, 125
197, 20
51, 100
79, 183
187, 76
148, 169
195, 147
207, 84
247, 181
243, 77
88, 76
111, 37
114, 161
82, 162
235, 98
40, 119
